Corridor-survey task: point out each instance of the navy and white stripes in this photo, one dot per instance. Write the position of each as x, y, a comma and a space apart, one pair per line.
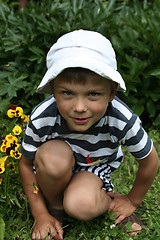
99, 144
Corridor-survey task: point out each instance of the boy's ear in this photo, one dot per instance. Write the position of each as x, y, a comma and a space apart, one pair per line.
52, 86
113, 91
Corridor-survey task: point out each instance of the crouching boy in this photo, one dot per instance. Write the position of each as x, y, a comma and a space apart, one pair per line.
73, 140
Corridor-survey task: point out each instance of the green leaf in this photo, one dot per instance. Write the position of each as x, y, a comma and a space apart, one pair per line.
36, 50
138, 109
4, 89
155, 96
107, 238
157, 121
11, 91
155, 72
4, 104
151, 108
128, 226
110, 5
3, 10
4, 74
74, 7
2, 228
13, 199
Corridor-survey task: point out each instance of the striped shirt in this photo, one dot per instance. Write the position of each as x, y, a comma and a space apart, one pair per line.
100, 143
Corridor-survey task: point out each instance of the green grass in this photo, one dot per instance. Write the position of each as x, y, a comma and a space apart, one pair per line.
16, 220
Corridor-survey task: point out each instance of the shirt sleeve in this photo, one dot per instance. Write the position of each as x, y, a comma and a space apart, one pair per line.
135, 139
31, 141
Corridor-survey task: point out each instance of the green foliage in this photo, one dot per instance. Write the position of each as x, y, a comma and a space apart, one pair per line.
132, 26
138, 41
97, 229
2, 228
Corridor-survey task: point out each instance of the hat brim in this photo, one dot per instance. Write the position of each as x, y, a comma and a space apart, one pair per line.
103, 70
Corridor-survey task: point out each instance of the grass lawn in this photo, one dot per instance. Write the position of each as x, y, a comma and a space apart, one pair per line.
16, 220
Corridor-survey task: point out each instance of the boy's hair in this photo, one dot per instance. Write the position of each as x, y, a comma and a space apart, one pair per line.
78, 74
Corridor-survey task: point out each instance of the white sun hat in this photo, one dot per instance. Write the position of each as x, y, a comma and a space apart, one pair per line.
85, 49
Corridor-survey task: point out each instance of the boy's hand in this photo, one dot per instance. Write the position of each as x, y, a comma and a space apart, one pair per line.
45, 224
121, 206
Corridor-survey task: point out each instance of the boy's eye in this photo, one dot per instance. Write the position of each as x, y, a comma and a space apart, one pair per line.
67, 93
94, 94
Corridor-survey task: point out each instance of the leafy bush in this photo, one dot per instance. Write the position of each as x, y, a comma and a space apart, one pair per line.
132, 26
137, 45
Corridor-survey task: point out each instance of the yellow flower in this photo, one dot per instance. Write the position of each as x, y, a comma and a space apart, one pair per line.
2, 169
25, 118
19, 112
3, 159
14, 111
8, 164
4, 146
11, 143
11, 139
11, 113
15, 154
2, 164
35, 190
17, 130
1, 179
13, 168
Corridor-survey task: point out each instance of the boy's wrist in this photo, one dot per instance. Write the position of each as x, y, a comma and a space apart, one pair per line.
135, 202
37, 214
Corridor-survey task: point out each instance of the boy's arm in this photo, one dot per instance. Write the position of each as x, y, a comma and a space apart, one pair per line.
147, 170
125, 205
43, 219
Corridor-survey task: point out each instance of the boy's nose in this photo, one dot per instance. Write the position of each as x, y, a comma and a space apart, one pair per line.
80, 105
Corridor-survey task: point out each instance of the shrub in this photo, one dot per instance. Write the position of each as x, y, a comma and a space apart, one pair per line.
137, 45
132, 26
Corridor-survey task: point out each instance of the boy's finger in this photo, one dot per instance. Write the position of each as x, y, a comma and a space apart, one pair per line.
111, 194
111, 207
57, 234
60, 233
119, 219
33, 235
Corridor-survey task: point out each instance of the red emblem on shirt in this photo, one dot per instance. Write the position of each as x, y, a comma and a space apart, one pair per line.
90, 162
88, 159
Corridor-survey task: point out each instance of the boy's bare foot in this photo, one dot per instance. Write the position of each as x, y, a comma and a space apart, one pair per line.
136, 226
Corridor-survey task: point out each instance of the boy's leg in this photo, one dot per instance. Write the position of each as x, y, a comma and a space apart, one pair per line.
54, 161
84, 197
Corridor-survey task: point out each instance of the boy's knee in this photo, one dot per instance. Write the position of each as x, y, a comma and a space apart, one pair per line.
80, 206
55, 158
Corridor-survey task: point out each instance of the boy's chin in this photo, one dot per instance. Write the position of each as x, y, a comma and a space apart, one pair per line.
78, 128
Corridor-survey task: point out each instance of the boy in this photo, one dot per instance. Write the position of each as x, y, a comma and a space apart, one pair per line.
75, 138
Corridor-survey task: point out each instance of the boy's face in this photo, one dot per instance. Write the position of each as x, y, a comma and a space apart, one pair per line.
82, 104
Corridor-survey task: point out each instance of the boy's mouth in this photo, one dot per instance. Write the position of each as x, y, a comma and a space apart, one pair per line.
80, 120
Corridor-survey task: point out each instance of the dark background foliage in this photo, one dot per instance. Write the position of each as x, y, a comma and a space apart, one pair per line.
26, 34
